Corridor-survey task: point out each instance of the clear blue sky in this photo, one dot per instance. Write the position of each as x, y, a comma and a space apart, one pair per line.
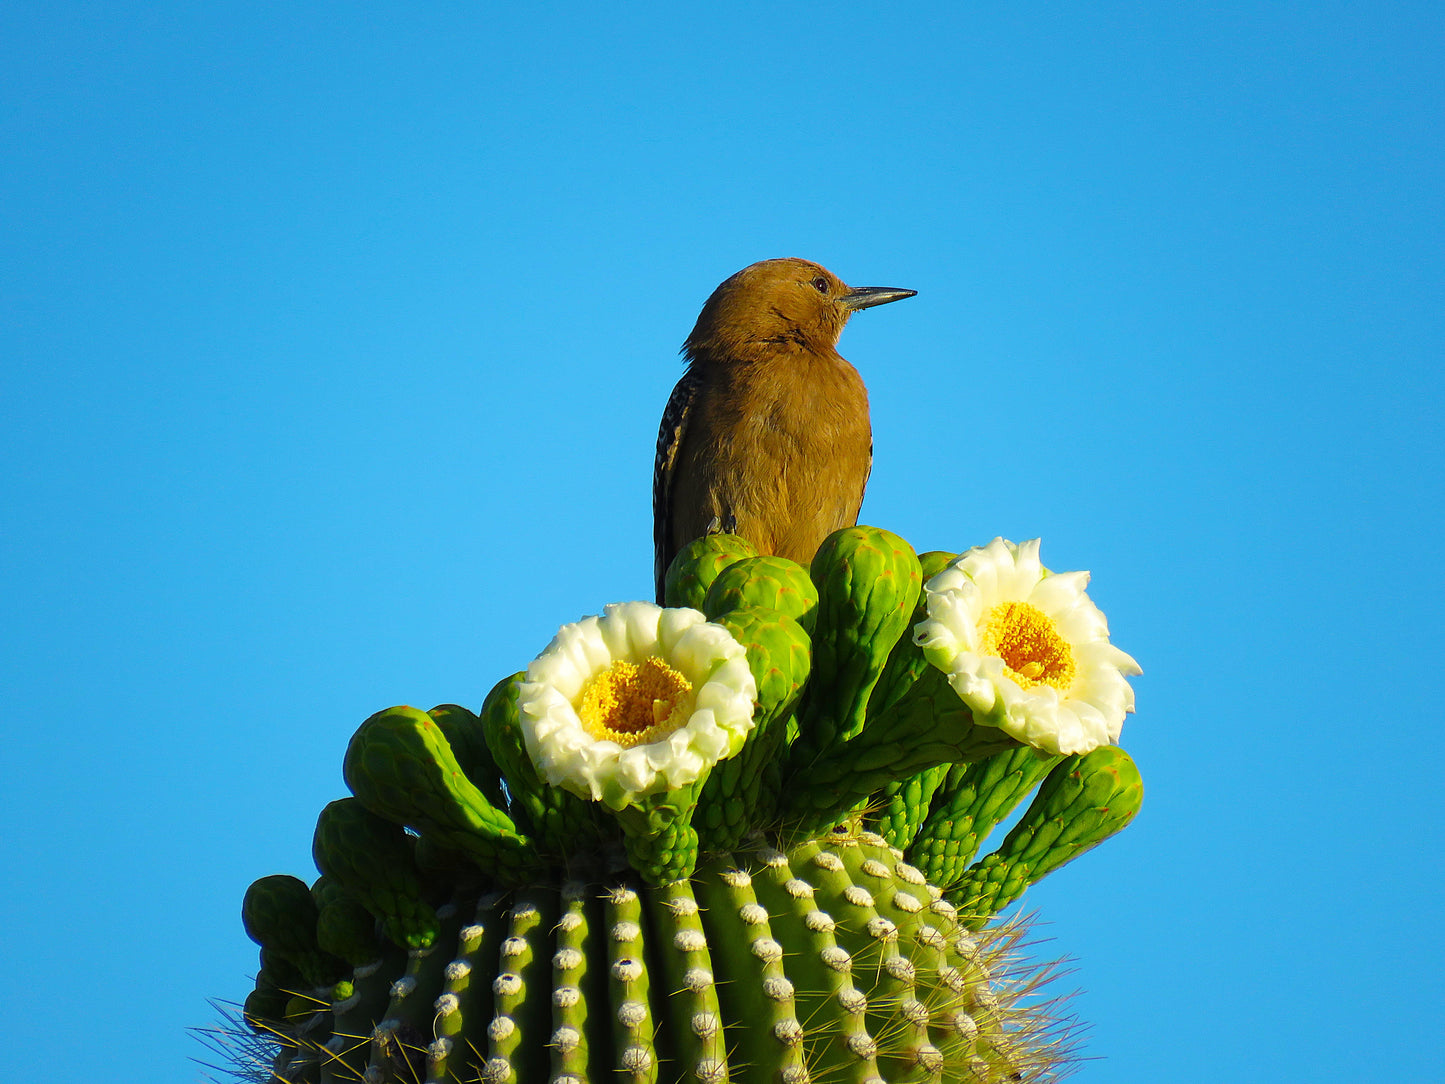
333, 340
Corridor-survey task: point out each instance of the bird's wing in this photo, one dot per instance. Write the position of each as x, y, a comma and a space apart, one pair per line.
867, 473
669, 441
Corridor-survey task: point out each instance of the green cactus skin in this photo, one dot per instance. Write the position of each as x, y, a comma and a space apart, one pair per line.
658, 836
1082, 802
613, 980
868, 582
700, 562
927, 727
770, 583
903, 805
978, 796
742, 792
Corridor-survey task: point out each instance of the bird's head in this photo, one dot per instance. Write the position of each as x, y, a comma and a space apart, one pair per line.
792, 303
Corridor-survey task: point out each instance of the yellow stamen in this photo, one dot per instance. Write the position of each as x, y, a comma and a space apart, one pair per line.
1030, 646
635, 703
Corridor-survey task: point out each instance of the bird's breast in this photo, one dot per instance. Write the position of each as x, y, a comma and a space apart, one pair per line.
793, 457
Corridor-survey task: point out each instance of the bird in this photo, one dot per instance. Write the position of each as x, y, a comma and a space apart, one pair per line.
767, 434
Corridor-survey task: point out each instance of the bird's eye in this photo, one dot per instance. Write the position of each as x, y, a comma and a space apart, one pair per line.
820, 284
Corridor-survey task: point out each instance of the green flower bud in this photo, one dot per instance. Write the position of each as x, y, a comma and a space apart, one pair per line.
904, 804
463, 732
1083, 801
698, 563
906, 662
743, 791
868, 582
344, 927
769, 583
279, 914
400, 766
371, 858
972, 801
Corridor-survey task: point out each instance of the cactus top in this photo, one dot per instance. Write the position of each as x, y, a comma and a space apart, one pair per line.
763, 932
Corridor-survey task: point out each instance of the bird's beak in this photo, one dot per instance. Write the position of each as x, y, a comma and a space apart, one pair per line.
865, 297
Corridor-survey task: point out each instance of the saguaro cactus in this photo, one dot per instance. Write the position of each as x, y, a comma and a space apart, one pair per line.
733, 842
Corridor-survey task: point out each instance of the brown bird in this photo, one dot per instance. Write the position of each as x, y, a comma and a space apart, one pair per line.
766, 435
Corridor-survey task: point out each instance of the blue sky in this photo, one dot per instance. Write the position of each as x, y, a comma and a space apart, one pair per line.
333, 340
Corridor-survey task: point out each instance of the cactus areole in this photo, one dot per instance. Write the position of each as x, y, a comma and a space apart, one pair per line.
730, 839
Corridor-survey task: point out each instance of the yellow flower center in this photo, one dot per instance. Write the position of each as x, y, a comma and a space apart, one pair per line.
1030, 646
635, 703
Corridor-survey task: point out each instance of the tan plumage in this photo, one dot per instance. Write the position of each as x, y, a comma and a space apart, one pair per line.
767, 434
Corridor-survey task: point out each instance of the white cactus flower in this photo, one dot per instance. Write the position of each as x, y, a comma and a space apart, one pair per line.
1026, 649
637, 701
